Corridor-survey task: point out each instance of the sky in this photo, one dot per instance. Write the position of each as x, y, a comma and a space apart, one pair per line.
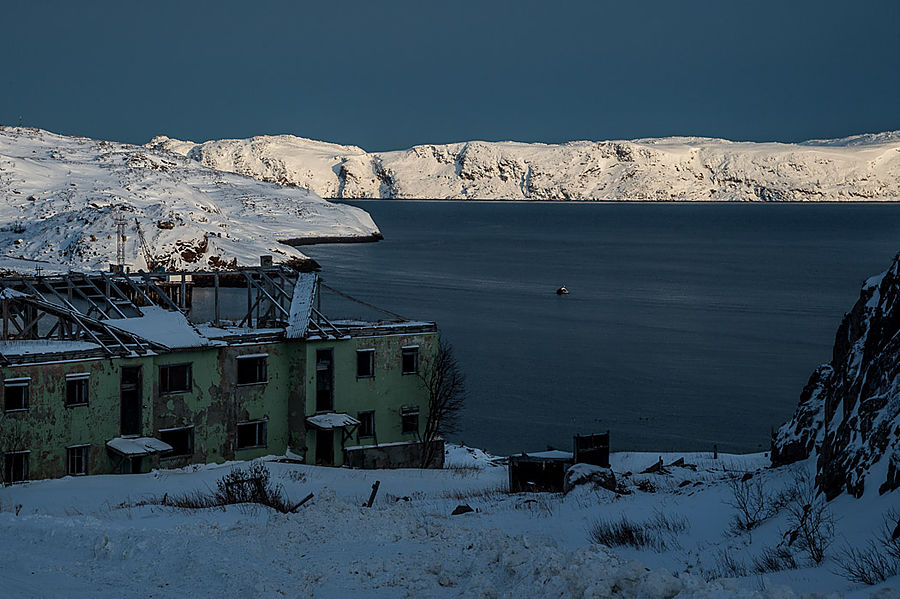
391, 74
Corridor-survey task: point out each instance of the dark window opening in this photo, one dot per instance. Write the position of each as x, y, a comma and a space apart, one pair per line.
77, 391
366, 424
181, 440
365, 363
252, 370
409, 362
15, 466
15, 394
251, 434
77, 458
324, 380
175, 378
409, 420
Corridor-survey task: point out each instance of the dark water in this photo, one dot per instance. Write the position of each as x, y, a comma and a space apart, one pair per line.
686, 325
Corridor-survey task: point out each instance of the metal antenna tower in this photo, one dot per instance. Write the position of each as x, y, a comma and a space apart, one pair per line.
121, 222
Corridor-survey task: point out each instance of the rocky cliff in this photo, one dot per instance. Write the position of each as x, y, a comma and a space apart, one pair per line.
863, 167
849, 412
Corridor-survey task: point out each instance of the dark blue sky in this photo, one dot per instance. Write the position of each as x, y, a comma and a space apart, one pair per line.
386, 75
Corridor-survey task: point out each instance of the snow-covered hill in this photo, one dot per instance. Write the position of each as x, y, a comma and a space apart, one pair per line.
102, 537
60, 195
863, 167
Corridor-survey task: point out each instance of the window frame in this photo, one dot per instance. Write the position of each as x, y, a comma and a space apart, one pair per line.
170, 455
407, 349
21, 382
165, 390
264, 358
85, 459
370, 352
362, 416
6, 456
405, 412
263, 422
80, 378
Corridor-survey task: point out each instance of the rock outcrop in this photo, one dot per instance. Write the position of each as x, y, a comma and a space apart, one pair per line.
849, 412
863, 167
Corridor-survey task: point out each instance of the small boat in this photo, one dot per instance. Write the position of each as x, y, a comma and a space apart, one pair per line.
562, 291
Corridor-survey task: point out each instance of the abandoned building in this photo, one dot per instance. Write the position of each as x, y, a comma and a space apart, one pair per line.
110, 372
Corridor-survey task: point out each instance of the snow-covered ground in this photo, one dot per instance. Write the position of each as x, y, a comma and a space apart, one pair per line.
858, 168
85, 537
60, 196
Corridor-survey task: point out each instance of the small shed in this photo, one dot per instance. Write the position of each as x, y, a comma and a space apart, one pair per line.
542, 471
546, 470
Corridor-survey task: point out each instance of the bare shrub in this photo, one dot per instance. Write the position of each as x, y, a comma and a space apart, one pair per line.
248, 485
774, 559
646, 485
810, 520
727, 566
870, 565
659, 532
750, 499
494, 492
889, 536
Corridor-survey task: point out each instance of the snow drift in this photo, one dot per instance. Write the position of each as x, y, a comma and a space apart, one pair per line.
863, 167
61, 196
849, 412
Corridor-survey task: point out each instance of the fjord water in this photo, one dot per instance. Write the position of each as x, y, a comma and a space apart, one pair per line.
687, 325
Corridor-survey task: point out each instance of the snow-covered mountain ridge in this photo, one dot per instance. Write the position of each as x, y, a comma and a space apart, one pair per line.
60, 196
858, 168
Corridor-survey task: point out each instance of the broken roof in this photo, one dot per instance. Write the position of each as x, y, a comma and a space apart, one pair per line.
161, 326
301, 305
332, 420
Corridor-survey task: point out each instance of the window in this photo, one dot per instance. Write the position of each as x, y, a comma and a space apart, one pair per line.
252, 370
15, 466
366, 424
365, 363
409, 361
175, 378
77, 459
409, 420
251, 434
15, 394
77, 389
181, 440
324, 380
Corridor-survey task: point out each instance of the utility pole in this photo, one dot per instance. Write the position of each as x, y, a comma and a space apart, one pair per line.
121, 222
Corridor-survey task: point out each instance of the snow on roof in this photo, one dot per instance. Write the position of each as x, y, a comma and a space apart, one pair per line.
7, 293
43, 346
137, 445
329, 421
301, 305
162, 326
553, 454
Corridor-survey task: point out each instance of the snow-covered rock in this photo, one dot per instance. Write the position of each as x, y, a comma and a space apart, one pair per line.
849, 412
862, 167
60, 196
582, 474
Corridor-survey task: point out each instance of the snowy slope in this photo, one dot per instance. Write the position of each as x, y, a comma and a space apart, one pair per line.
59, 197
863, 167
90, 537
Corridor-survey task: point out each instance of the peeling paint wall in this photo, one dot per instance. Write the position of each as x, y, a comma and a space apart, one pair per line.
215, 403
385, 393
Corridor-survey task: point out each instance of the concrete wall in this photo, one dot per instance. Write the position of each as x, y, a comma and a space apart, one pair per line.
385, 393
394, 455
215, 404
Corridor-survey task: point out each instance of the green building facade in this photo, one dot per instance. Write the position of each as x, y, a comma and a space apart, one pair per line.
156, 389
